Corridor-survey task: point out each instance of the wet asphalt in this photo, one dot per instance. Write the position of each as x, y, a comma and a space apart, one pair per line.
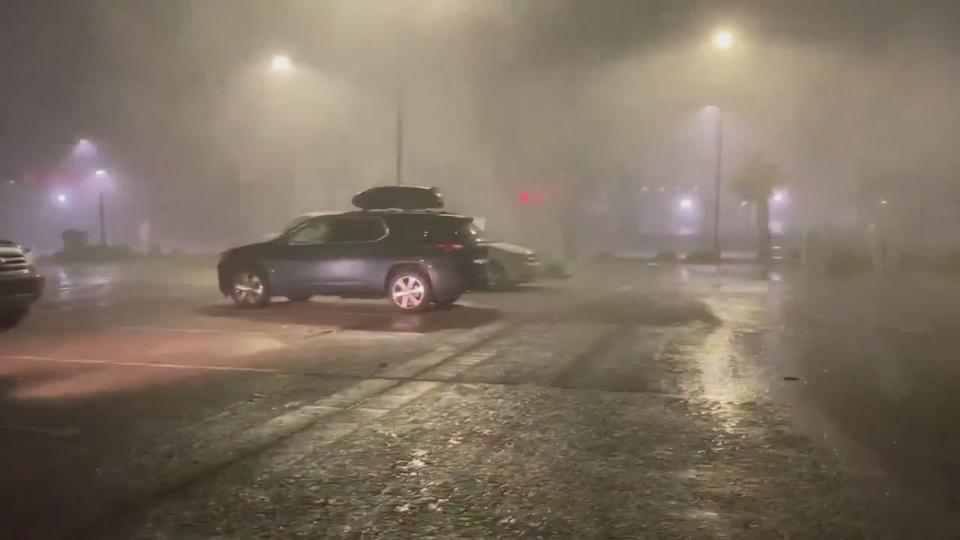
630, 401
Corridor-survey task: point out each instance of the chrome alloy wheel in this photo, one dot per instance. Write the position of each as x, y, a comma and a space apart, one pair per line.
408, 292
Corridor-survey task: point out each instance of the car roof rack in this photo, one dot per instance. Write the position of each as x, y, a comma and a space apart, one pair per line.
400, 211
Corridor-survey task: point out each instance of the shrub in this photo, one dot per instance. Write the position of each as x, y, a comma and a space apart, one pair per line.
553, 271
848, 261
666, 256
74, 239
702, 257
96, 254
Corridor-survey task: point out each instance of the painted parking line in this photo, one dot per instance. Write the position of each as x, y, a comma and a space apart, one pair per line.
52, 432
30, 358
404, 370
314, 330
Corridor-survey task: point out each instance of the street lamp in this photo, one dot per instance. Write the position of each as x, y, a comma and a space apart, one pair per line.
84, 148
723, 40
281, 63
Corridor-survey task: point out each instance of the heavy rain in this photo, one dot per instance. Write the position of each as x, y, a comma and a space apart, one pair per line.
479, 268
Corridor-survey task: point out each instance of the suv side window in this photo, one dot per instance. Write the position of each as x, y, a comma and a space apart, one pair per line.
408, 229
452, 230
357, 229
315, 231
426, 229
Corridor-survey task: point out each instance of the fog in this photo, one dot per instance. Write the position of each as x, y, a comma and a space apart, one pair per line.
584, 103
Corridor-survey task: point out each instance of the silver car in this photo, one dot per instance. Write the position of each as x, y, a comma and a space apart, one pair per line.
507, 264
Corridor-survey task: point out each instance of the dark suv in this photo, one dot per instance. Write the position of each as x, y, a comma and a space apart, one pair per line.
20, 284
417, 259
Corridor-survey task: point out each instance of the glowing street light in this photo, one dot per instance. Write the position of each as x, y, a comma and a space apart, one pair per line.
723, 40
62, 198
686, 203
100, 173
84, 148
779, 196
281, 63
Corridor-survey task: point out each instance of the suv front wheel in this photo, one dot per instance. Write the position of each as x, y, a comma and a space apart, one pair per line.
250, 289
409, 291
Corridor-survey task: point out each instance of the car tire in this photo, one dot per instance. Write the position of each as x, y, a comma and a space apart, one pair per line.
497, 278
409, 291
10, 319
300, 298
250, 288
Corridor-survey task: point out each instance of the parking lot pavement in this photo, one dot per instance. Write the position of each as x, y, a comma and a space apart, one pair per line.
628, 401
125, 380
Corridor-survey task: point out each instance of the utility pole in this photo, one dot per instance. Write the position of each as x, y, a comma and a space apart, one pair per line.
400, 44
103, 223
399, 149
718, 180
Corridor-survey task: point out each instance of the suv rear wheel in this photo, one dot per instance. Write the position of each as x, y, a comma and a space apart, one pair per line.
409, 291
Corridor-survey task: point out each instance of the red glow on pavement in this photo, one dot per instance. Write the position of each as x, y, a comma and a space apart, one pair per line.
131, 360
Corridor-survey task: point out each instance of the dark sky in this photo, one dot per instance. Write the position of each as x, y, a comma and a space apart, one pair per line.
103, 68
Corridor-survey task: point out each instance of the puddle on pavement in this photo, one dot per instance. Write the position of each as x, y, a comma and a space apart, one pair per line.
644, 310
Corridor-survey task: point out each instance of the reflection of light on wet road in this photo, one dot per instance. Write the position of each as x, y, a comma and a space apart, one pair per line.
78, 283
725, 375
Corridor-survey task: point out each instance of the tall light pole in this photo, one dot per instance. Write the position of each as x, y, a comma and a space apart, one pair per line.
400, 82
722, 40
101, 175
282, 63
399, 136
282, 67
718, 181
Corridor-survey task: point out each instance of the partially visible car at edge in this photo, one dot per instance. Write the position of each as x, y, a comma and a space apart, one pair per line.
504, 265
417, 259
20, 283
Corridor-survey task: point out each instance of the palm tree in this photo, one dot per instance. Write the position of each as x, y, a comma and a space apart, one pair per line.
755, 182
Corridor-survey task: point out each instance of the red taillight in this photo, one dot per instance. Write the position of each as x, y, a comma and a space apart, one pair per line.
449, 248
